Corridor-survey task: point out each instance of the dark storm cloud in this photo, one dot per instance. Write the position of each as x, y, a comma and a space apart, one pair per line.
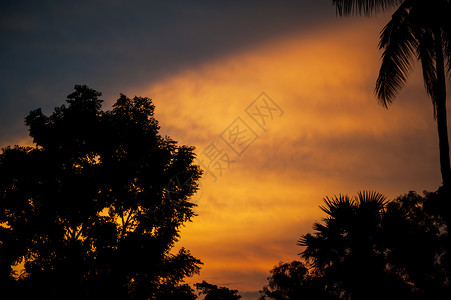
49, 46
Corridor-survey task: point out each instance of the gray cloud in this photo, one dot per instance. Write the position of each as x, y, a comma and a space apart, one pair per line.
49, 46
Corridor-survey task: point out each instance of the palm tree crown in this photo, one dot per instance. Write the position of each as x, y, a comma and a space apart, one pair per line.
419, 30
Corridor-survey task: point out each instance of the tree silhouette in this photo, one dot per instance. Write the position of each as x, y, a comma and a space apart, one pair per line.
414, 240
370, 248
86, 210
344, 249
213, 292
294, 281
418, 29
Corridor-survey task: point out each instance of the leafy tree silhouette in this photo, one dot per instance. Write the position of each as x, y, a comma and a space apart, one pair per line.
418, 29
414, 238
294, 281
213, 292
86, 210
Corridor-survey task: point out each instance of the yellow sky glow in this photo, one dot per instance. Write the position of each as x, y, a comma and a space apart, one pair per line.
332, 138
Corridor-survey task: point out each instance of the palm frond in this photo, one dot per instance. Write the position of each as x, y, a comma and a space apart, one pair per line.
366, 7
399, 43
319, 252
371, 197
304, 240
335, 204
426, 55
370, 205
320, 228
447, 51
446, 32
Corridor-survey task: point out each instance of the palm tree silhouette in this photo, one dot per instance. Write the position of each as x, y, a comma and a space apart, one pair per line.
367, 247
418, 29
345, 248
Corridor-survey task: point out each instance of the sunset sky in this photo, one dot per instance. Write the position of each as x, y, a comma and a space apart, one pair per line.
204, 64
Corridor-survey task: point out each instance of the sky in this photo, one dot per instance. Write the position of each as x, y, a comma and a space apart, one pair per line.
208, 65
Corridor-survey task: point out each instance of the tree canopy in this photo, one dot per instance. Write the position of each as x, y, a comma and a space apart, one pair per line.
367, 247
214, 292
293, 280
86, 211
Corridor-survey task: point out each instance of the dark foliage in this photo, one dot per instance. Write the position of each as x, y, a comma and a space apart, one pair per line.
86, 212
213, 292
370, 248
294, 281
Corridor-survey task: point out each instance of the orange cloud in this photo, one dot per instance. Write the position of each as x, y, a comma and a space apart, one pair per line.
332, 138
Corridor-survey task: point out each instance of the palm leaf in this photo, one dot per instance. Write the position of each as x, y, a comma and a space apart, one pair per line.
426, 55
336, 205
370, 205
371, 197
399, 43
350, 7
446, 33
447, 49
